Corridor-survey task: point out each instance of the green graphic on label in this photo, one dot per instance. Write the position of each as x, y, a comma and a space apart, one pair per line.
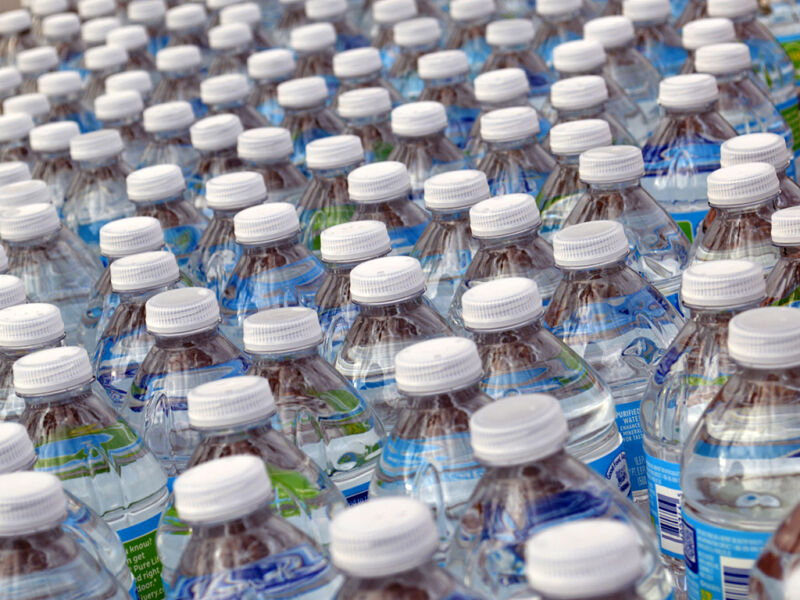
139, 542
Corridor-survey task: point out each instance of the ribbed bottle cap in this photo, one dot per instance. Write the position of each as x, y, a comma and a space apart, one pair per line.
611, 164
501, 304
501, 85
43, 8
765, 338
577, 93
186, 16
437, 366
119, 105
575, 137
502, 216
22, 193
95, 31
731, 9
719, 59
29, 222
104, 57
756, 147
130, 37
357, 62
442, 64
722, 284
418, 119
10, 79
265, 223
16, 448
137, 81
365, 102
95, 145
91, 9
325, 10
12, 291
640, 11
509, 124
385, 536
61, 26
178, 58
264, 144
155, 183
583, 559
145, 271
416, 32
170, 116
36, 105
334, 152
132, 235
277, 63
224, 88
60, 83
230, 402
703, 32
552, 8
281, 330
786, 227
218, 5
386, 280
245, 12
13, 171
471, 10
455, 190
312, 38
235, 190
231, 35
147, 12
36, 60
52, 370
389, 12
303, 92
355, 241
518, 430
378, 182
30, 325
578, 56
181, 311
216, 133
743, 185
15, 126
30, 501
14, 21
509, 32
590, 245
611, 32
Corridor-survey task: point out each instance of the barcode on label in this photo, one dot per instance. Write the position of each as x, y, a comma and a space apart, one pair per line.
735, 577
669, 518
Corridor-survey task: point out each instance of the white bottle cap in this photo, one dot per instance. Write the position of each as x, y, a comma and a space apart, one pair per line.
170, 116
3, 261
245, 12
248, 399
14, 21
611, 164
501, 304
16, 448
389, 12
91, 9
471, 10
334, 152
312, 38
385, 536
765, 338
302, 93
731, 8
131, 235
703, 32
13, 171
437, 366
719, 59
612, 31
30, 501
35, 105
264, 144
224, 88
137, 81
265, 223
15, 126
181, 311
442, 64
235, 190
503, 216
186, 16
281, 330
147, 12
509, 32
218, 5
10, 79
104, 57
555, 8
386, 280
640, 11
455, 190
694, 90
222, 489
12, 290
231, 35
418, 119
216, 133
277, 63
357, 62
52, 370
786, 227
145, 271
501, 85
355, 241
584, 559
43, 8
119, 105
578, 93
99, 144
60, 83
792, 584
723, 284
378, 182
365, 102
178, 58
325, 10
421, 31
95, 31
29, 222
158, 182
590, 245
36, 60
747, 184
130, 37
575, 137
61, 26
579, 56
22, 193
756, 147
30, 325
509, 124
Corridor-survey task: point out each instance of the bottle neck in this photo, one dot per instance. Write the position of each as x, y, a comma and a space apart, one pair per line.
420, 49
443, 399
170, 134
239, 428
65, 396
734, 211
511, 48
562, 18
717, 317
12, 354
516, 239
176, 198
309, 352
394, 308
228, 106
732, 77
455, 79
602, 271
455, 215
743, 18
568, 160
99, 163
55, 154
122, 122
197, 337
676, 111
231, 527
362, 80
513, 144
260, 247
586, 112
142, 296
333, 173
214, 153
182, 73
617, 185
304, 110
374, 119
267, 162
521, 100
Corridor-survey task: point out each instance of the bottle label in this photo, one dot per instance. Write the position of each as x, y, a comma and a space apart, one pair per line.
139, 542
664, 488
718, 560
378, 151
443, 273
90, 232
409, 85
614, 467
791, 43
291, 285
271, 111
791, 298
632, 434
196, 184
555, 211
789, 112
689, 222
459, 124
335, 323
182, 240
520, 182
312, 222
477, 51
118, 360
675, 299
403, 239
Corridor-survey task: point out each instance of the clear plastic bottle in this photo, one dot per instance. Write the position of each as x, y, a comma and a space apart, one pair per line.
41, 9
393, 314
187, 24
267, 69
167, 126
101, 62
267, 151
654, 36
136, 80
14, 130
387, 15
343, 247
769, 148
615, 320
314, 46
180, 68
63, 90
336, 12
150, 14
10, 81
684, 148
63, 32
775, 573
94, 31
227, 94
531, 483
50, 143
704, 32
33, 63
412, 39
122, 112
728, 515
782, 282
561, 21
366, 113
15, 35
34, 104
248, 13
214, 138
230, 44
468, 31
135, 41
361, 68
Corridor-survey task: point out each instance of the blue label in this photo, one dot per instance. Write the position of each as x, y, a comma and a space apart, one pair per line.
689, 222
403, 239
459, 124
357, 494
520, 181
477, 50
409, 85
90, 232
118, 360
335, 323
664, 489
271, 111
632, 434
182, 240
668, 60
614, 467
675, 300
681, 157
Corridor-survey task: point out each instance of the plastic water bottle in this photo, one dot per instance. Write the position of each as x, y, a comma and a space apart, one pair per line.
531, 483
335, 12
267, 151
95, 9
94, 32
562, 189
382, 192
386, 14
63, 90
123, 112
622, 326
180, 67
743, 198
769, 148
135, 41
101, 62
33, 63
775, 573
34, 104
137, 80
10, 81
14, 130
235, 492
15, 35
468, 30
361, 68
705, 32
782, 281
684, 148
117, 475
41, 9
248, 13
267, 69
63, 32
187, 25
150, 14
274, 268
314, 46
393, 314
228, 94
412, 38
366, 114
654, 36
214, 138
560, 22
50, 143
230, 45
167, 126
